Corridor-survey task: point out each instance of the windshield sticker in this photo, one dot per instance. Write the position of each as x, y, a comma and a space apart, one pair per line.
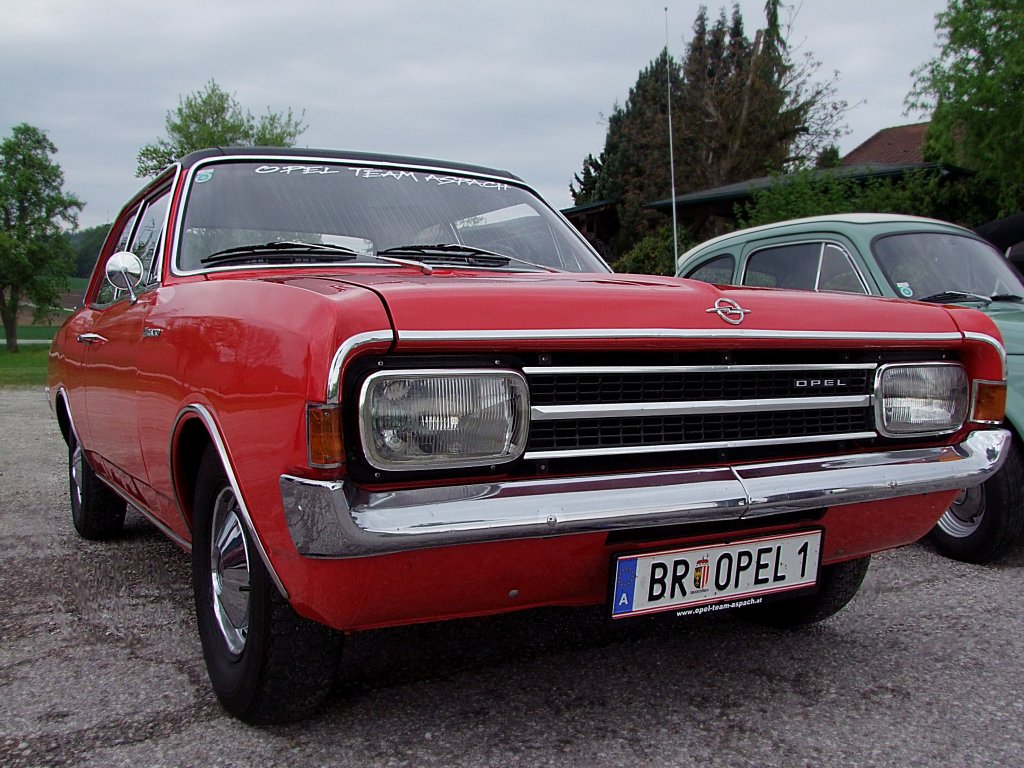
204, 176
301, 170
905, 290
432, 178
381, 173
464, 182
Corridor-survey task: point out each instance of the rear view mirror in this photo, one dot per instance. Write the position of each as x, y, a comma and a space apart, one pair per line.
124, 272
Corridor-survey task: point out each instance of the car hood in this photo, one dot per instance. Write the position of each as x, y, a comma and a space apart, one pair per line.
456, 304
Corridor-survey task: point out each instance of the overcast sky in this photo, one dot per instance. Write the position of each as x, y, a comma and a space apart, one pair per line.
520, 85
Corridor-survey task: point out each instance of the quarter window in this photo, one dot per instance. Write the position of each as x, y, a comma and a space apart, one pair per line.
143, 239
718, 270
147, 240
108, 294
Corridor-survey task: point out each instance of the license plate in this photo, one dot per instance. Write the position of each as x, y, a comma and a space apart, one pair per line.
737, 573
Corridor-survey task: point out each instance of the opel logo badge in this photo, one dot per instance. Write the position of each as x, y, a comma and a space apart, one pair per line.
729, 310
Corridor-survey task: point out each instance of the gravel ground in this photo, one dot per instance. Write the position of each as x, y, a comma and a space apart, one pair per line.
100, 665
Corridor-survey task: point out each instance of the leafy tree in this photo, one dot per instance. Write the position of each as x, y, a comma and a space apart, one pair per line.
214, 118
740, 108
86, 245
966, 201
829, 157
972, 89
34, 252
584, 186
654, 254
633, 169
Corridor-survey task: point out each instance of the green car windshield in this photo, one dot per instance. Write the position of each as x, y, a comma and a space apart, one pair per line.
922, 265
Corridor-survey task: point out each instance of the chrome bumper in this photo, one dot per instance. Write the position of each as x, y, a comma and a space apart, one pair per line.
337, 519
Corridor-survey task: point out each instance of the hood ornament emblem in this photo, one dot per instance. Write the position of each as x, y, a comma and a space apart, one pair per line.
728, 310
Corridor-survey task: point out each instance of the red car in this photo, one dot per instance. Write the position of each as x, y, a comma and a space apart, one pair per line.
366, 391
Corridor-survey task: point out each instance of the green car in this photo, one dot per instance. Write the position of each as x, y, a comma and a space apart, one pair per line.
901, 257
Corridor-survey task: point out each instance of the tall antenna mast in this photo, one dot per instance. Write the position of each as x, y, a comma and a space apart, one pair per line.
671, 152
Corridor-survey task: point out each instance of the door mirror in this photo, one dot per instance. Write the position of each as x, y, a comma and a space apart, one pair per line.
124, 272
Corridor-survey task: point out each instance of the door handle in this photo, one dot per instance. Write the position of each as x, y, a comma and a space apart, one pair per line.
91, 338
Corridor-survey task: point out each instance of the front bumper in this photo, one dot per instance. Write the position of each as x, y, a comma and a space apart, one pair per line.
338, 519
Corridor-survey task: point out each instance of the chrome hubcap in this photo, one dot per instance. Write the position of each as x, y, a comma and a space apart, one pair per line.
965, 513
229, 571
77, 470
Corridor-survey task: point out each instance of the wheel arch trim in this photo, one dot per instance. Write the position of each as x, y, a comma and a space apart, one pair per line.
197, 410
62, 410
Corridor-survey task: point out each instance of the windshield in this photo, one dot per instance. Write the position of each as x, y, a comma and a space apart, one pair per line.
367, 210
924, 264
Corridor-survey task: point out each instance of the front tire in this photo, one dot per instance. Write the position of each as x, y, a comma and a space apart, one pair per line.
837, 586
986, 520
96, 511
266, 664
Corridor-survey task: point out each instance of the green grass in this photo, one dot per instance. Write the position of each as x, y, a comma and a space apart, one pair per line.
34, 332
26, 368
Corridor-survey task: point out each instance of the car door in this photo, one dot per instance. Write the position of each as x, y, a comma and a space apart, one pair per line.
117, 329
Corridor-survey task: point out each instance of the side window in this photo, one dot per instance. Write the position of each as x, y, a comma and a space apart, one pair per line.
718, 270
147, 240
784, 266
108, 294
810, 266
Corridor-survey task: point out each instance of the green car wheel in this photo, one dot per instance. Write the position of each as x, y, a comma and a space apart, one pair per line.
986, 520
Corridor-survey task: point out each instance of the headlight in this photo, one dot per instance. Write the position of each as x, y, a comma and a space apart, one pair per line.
439, 419
924, 399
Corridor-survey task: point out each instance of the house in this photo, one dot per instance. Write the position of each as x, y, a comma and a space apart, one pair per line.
889, 153
900, 145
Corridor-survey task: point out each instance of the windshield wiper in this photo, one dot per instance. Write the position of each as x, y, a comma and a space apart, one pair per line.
456, 253
954, 297
1007, 297
285, 251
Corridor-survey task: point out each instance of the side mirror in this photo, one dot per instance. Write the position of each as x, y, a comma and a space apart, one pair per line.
124, 272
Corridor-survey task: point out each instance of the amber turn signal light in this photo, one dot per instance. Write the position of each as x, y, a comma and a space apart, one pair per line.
989, 402
323, 429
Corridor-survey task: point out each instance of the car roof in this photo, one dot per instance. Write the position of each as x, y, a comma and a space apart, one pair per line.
308, 153
836, 218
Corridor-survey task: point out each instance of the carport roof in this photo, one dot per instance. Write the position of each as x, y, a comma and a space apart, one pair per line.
743, 190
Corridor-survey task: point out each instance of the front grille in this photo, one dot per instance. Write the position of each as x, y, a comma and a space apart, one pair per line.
656, 386
694, 431
593, 411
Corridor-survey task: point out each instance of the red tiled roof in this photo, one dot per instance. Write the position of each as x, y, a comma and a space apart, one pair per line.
899, 145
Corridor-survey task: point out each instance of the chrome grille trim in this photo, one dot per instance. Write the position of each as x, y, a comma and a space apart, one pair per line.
535, 370
694, 407
714, 446
702, 334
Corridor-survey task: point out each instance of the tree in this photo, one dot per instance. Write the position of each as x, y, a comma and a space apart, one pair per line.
34, 253
829, 157
654, 254
741, 108
214, 118
633, 169
86, 245
966, 200
972, 89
